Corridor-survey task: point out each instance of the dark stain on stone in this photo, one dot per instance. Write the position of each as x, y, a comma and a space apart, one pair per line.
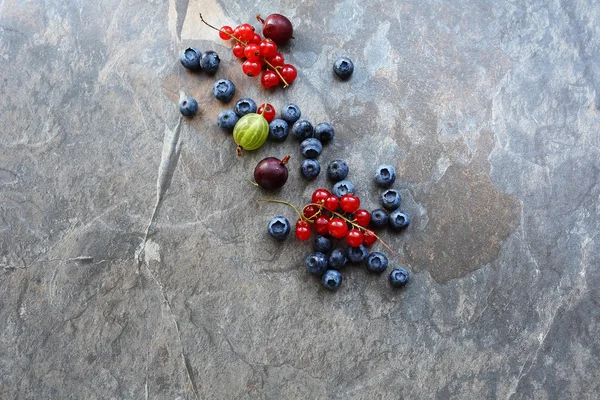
468, 220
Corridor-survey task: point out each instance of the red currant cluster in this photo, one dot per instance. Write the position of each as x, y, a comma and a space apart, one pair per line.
324, 215
258, 54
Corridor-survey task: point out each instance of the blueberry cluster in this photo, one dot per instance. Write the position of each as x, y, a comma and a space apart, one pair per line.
390, 215
192, 59
228, 118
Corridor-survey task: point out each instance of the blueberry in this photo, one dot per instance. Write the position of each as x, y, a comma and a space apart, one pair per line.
391, 199
223, 90
210, 62
357, 254
398, 277
244, 106
322, 244
332, 279
399, 220
190, 58
379, 218
188, 106
278, 130
337, 259
310, 168
377, 262
385, 175
343, 67
227, 120
311, 148
324, 132
302, 129
343, 187
291, 113
337, 170
316, 263
279, 228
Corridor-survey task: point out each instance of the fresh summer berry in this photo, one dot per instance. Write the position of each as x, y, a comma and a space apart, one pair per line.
256, 39
322, 244
377, 262
357, 254
269, 79
250, 132
385, 175
279, 228
369, 238
238, 51
277, 60
188, 106
267, 111
398, 277
316, 263
246, 32
236, 31
277, 27
252, 52
332, 279
310, 168
244, 106
223, 90
324, 132
271, 173
190, 58
337, 228
278, 130
302, 129
302, 229
227, 120
331, 203
337, 170
251, 68
343, 67
321, 225
226, 32
310, 211
354, 238
268, 48
343, 187
311, 148
210, 62
320, 195
399, 220
362, 217
349, 203
379, 218
337, 258
288, 72
291, 113
391, 199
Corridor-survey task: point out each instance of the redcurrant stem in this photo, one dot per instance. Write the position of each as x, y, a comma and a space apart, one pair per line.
227, 33
285, 84
287, 203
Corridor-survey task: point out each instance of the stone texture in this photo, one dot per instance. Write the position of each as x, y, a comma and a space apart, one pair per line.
134, 254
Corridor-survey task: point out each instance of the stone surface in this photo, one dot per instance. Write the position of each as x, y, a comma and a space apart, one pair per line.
135, 261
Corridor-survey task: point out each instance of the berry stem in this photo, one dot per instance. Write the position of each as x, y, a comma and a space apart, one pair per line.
262, 21
285, 84
285, 160
217, 29
287, 203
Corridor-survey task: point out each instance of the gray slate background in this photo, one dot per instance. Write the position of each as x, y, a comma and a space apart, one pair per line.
488, 109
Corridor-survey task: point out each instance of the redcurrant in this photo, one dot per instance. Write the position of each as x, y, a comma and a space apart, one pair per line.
238, 51
331, 203
251, 68
310, 211
349, 203
362, 217
246, 32
267, 111
289, 73
252, 52
302, 230
322, 225
256, 39
277, 60
337, 228
369, 238
320, 195
269, 79
236, 31
226, 32
354, 238
268, 48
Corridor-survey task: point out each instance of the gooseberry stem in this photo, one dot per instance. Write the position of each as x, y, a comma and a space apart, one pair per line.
285, 84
